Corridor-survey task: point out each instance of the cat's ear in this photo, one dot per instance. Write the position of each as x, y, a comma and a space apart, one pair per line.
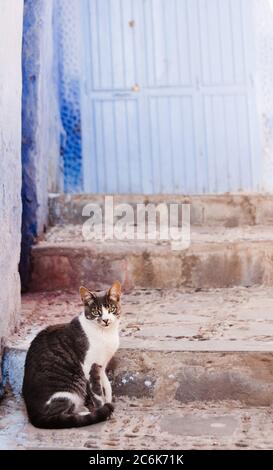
114, 292
86, 295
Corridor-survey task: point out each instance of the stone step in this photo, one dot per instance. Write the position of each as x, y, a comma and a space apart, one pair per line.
228, 210
143, 424
216, 257
181, 346
194, 371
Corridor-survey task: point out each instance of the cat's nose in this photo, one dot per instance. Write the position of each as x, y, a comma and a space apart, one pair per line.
106, 322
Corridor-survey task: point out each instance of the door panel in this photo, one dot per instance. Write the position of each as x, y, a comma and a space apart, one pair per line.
172, 98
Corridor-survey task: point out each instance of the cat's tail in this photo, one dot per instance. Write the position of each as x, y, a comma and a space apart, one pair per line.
68, 419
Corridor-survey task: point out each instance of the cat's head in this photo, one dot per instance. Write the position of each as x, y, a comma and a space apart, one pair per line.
102, 308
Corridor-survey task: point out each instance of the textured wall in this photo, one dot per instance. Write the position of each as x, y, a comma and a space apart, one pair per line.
70, 44
41, 125
11, 16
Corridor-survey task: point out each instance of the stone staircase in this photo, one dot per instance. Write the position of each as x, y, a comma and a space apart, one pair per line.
231, 244
195, 366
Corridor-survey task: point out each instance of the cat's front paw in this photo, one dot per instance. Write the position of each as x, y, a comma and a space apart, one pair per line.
110, 408
105, 411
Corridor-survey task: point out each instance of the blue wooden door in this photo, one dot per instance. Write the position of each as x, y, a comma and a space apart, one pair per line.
169, 105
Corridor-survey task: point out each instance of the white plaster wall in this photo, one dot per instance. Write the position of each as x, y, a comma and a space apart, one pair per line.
70, 36
11, 19
263, 17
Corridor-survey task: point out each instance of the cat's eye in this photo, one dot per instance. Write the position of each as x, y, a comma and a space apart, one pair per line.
112, 309
96, 312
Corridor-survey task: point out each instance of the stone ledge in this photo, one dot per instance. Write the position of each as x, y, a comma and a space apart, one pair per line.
185, 345
228, 210
216, 258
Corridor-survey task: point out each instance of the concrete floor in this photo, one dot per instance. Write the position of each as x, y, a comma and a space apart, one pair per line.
140, 424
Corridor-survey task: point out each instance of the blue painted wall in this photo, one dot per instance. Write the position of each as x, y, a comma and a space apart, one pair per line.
40, 123
146, 103
71, 150
30, 60
69, 25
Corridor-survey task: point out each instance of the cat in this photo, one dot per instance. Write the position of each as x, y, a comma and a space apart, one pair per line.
65, 383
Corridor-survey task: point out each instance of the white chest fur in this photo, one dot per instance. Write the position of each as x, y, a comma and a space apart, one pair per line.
103, 343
